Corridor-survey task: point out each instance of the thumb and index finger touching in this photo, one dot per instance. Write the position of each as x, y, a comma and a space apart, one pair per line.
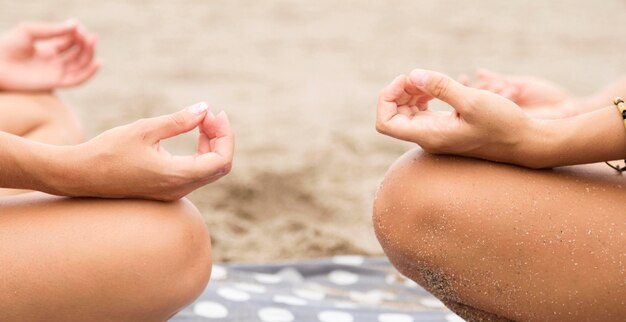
215, 143
434, 84
444, 88
429, 84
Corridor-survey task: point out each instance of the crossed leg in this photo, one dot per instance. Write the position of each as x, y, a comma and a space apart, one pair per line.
497, 242
71, 259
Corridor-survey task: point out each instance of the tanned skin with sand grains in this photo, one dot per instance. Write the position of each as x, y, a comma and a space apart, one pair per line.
471, 218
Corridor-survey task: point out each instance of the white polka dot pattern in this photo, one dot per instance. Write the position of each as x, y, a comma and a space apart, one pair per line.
337, 289
340, 277
210, 310
335, 316
218, 273
273, 314
233, 294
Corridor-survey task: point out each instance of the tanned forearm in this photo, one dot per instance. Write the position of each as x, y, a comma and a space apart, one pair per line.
26, 164
586, 138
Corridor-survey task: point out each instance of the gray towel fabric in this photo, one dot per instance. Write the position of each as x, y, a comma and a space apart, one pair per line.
337, 289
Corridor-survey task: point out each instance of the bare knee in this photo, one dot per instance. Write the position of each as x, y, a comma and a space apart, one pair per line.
413, 219
167, 263
407, 203
102, 259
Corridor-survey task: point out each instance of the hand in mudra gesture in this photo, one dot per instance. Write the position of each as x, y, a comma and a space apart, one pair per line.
42, 57
481, 124
129, 162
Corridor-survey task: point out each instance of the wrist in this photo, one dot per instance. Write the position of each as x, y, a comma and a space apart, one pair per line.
53, 168
539, 144
585, 138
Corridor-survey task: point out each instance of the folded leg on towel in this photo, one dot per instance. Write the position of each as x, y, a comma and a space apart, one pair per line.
499, 242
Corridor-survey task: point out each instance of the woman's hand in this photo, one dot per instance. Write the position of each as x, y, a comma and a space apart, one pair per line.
482, 124
41, 57
539, 98
128, 161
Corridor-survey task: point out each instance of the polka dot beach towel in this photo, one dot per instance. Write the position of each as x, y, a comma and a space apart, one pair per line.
338, 289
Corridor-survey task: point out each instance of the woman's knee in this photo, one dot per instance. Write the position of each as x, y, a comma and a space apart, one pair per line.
119, 260
171, 259
409, 204
419, 211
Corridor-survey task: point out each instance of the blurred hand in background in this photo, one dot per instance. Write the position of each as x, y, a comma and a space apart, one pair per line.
538, 97
42, 56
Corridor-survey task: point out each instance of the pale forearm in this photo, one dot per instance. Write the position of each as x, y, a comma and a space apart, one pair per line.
26, 164
590, 137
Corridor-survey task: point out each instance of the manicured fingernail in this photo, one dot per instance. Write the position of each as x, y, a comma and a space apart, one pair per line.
419, 78
198, 108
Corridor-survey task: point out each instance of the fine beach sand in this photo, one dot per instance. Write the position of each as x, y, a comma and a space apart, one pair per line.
299, 80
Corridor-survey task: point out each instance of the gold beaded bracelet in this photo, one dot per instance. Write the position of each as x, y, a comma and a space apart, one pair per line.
621, 107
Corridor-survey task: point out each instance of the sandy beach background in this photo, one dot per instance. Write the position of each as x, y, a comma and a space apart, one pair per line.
299, 80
